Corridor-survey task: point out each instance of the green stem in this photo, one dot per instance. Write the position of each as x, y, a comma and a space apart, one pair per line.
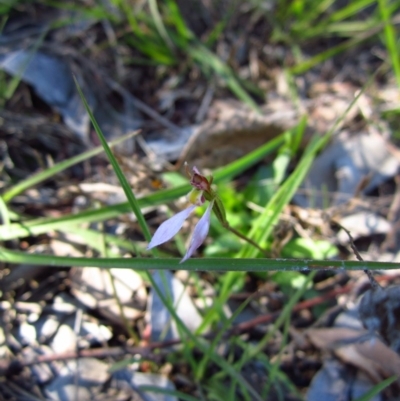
219, 210
247, 239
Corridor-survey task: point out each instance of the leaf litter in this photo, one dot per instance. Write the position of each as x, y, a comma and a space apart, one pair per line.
59, 328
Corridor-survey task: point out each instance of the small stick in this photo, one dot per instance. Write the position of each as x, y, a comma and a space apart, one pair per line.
372, 280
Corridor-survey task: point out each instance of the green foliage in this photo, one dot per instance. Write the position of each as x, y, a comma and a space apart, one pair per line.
387, 11
164, 37
290, 279
7, 5
295, 23
310, 19
261, 186
300, 248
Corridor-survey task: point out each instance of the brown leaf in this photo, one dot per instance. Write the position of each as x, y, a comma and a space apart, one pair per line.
358, 348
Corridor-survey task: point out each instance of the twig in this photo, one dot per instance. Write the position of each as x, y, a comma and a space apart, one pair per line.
372, 280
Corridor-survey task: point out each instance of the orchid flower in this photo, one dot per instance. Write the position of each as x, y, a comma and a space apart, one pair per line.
200, 193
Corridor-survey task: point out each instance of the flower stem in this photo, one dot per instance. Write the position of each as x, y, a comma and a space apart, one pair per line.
219, 211
247, 239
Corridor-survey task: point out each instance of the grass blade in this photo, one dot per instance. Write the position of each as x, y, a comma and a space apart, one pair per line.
43, 225
200, 264
57, 168
390, 38
377, 389
159, 23
124, 182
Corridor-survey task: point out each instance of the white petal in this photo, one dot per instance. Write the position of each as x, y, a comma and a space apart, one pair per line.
170, 227
199, 233
196, 170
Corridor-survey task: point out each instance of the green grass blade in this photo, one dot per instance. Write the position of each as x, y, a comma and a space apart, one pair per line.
43, 225
199, 264
94, 240
220, 26
136, 208
148, 41
124, 182
156, 53
159, 23
222, 363
168, 303
377, 389
390, 38
239, 166
202, 364
252, 351
350, 10
93, 12
327, 54
13, 85
57, 168
180, 25
283, 316
263, 225
313, 61
208, 60
5, 213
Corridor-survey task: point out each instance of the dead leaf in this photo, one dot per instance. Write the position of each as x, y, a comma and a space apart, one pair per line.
358, 348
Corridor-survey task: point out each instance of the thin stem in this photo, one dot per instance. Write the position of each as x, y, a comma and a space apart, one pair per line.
374, 283
219, 210
247, 239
